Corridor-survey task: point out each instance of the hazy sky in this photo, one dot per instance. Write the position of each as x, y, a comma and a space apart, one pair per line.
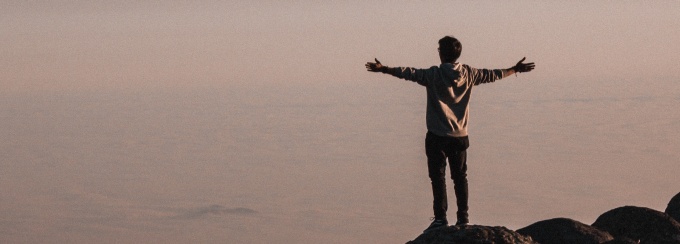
76, 45
294, 133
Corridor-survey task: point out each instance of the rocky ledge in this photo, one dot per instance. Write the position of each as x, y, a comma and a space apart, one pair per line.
624, 225
471, 234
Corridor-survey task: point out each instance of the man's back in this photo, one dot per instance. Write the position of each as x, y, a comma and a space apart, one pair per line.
449, 88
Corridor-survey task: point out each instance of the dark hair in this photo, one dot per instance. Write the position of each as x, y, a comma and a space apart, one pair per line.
450, 48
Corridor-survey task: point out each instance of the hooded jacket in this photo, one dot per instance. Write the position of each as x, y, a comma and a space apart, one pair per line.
448, 93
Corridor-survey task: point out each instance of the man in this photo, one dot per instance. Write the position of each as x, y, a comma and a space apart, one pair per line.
448, 93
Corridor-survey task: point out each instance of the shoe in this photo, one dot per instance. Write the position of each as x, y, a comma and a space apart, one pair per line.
436, 224
462, 218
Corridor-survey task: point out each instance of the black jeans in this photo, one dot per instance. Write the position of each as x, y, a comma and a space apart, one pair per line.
438, 149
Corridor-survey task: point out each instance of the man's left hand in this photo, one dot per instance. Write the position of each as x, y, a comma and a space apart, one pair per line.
374, 67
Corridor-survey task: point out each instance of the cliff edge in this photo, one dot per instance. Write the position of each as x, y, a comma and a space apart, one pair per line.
623, 225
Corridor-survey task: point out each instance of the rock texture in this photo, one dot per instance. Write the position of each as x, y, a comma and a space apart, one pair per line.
624, 225
638, 223
564, 230
673, 208
622, 240
470, 234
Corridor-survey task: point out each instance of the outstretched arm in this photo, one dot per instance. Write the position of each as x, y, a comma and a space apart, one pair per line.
520, 67
420, 76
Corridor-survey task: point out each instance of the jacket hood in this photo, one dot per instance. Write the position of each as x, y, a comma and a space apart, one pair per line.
448, 70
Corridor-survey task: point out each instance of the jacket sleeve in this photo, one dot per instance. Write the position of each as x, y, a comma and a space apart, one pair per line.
481, 76
420, 76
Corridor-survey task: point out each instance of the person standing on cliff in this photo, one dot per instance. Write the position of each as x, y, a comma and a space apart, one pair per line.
448, 86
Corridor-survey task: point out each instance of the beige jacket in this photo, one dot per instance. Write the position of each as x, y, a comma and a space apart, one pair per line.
448, 93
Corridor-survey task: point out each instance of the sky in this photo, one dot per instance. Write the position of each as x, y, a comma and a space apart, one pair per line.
142, 120
94, 45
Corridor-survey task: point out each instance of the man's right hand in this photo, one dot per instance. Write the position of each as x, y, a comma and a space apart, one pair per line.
375, 67
522, 67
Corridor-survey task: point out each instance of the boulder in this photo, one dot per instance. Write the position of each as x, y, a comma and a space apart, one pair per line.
472, 234
673, 208
622, 240
639, 223
563, 230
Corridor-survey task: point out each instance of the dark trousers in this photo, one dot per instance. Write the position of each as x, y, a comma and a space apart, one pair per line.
438, 149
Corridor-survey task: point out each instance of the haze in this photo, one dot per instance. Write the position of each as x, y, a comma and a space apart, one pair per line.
256, 122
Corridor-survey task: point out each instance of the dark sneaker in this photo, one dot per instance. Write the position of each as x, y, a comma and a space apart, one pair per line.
462, 218
462, 222
436, 224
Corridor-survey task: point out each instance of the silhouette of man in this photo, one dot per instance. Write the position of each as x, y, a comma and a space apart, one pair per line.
448, 93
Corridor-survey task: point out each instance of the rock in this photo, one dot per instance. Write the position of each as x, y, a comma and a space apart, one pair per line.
673, 208
563, 230
638, 223
622, 240
477, 234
